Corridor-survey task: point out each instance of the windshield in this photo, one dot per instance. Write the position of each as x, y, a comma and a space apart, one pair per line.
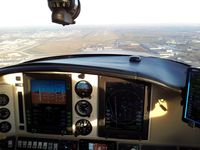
167, 29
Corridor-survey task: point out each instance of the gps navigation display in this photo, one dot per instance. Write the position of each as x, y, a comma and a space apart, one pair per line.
192, 103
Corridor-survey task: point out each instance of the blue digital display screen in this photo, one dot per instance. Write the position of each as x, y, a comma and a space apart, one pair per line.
192, 105
48, 91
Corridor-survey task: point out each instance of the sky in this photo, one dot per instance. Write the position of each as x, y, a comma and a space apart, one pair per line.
104, 12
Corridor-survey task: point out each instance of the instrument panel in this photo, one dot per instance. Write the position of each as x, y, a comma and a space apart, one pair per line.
68, 104
60, 110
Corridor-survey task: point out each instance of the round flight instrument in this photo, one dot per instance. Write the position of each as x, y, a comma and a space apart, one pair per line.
83, 89
83, 127
4, 113
4, 99
5, 127
83, 108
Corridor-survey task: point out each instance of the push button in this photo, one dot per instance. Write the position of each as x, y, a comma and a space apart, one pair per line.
55, 146
50, 146
29, 145
24, 143
44, 146
39, 145
34, 146
19, 144
10, 144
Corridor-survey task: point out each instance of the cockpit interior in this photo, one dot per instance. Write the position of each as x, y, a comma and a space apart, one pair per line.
99, 101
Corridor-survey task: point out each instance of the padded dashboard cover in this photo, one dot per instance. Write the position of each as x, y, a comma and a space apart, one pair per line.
168, 72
